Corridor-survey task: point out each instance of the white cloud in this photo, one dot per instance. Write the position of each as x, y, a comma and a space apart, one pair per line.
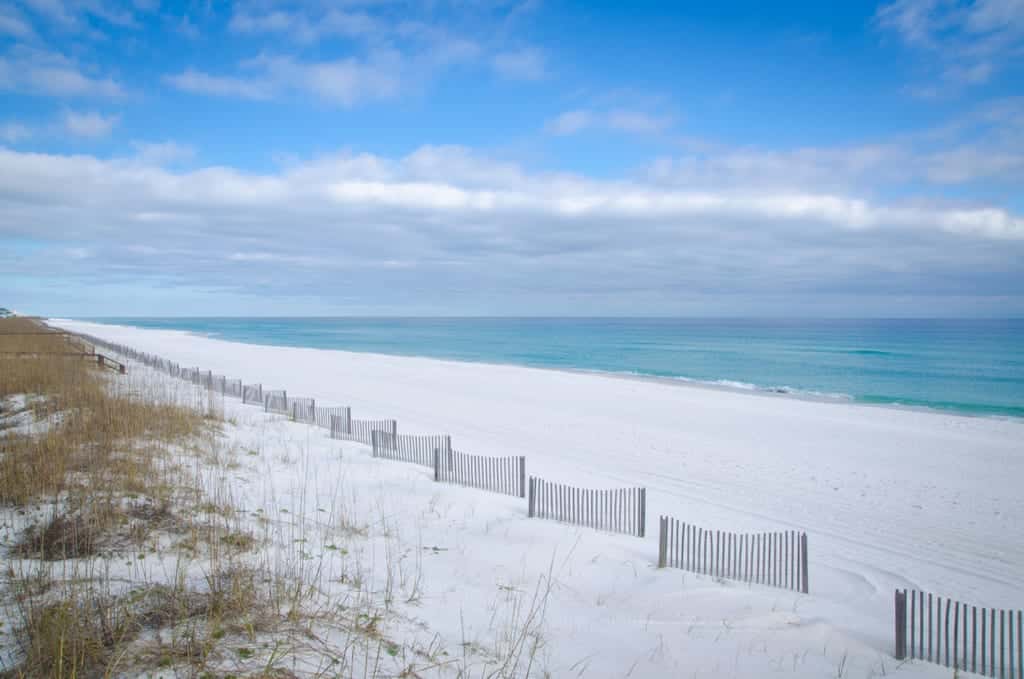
444, 221
342, 81
12, 133
983, 146
622, 120
13, 24
54, 10
973, 74
971, 40
302, 28
53, 74
343, 183
162, 153
528, 63
91, 124
636, 121
71, 15
198, 82
570, 122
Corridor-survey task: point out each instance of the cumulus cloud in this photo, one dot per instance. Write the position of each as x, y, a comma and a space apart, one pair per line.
162, 153
51, 73
340, 81
198, 82
12, 132
89, 124
621, 120
527, 63
297, 26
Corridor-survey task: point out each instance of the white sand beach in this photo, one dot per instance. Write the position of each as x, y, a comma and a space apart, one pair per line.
890, 498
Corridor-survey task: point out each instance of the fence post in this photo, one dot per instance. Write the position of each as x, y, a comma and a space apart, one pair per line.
437, 464
643, 511
394, 431
348, 420
662, 541
522, 476
901, 625
373, 441
532, 497
803, 562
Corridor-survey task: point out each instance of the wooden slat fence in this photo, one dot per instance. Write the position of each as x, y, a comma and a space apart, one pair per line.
776, 559
360, 430
325, 415
987, 641
621, 510
302, 410
498, 474
276, 401
252, 393
234, 388
406, 448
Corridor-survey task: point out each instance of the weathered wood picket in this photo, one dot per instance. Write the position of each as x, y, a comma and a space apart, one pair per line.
252, 393
498, 474
985, 641
405, 448
233, 388
324, 415
350, 429
302, 410
276, 401
775, 559
620, 510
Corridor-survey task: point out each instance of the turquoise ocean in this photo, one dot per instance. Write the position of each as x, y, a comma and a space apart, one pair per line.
966, 366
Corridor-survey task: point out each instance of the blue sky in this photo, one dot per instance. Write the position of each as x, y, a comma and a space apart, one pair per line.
527, 157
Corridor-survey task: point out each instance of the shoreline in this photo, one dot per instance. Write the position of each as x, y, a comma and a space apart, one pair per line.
723, 385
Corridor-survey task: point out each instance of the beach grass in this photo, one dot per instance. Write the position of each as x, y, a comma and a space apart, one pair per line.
131, 554
101, 465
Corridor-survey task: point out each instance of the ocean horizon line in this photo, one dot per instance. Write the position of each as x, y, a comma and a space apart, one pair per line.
808, 318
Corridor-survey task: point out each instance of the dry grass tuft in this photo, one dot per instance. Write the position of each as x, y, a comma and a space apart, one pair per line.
75, 636
95, 430
63, 537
